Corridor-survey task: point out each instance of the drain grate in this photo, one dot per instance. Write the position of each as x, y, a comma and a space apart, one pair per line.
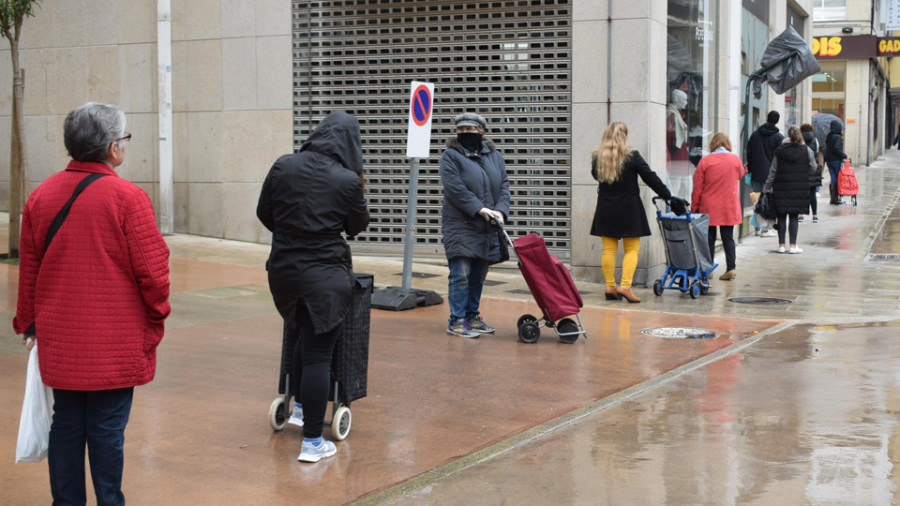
764, 301
883, 257
679, 333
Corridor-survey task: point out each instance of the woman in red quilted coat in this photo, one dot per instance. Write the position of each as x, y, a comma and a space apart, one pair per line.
715, 193
95, 301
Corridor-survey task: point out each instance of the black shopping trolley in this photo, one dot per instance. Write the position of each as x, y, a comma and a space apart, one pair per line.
349, 364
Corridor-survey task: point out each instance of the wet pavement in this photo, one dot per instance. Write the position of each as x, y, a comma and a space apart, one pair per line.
789, 403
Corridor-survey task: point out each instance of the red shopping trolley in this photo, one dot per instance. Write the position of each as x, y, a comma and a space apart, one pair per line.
553, 290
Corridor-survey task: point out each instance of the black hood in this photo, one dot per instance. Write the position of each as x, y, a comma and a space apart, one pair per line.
836, 127
768, 130
338, 137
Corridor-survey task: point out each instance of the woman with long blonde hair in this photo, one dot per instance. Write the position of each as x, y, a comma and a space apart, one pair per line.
620, 212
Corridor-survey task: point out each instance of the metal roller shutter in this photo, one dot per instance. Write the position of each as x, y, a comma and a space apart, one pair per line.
507, 60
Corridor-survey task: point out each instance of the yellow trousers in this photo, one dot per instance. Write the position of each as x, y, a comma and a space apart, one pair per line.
632, 246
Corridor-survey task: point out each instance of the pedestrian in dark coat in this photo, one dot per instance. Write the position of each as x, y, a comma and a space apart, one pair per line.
815, 180
476, 194
788, 181
620, 212
760, 149
834, 158
308, 199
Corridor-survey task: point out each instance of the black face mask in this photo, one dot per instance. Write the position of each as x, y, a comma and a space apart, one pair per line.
470, 140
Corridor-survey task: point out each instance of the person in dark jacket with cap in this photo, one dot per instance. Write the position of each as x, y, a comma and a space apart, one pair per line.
476, 194
308, 199
834, 158
760, 150
792, 166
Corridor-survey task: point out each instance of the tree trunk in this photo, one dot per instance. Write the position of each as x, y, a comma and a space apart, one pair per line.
17, 186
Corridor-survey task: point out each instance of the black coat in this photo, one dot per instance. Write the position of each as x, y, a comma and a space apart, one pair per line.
472, 181
620, 211
308, 199
834, 143
760, 149
792, 166
813, 145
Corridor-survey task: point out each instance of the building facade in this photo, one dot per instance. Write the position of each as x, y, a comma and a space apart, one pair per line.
850, 44
251, 79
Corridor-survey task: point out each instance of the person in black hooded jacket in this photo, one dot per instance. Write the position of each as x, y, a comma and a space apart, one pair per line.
788, 180
760, 150
834, 158
307, 200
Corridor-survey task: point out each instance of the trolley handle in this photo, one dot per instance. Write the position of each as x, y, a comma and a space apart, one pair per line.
503, 229
687, 205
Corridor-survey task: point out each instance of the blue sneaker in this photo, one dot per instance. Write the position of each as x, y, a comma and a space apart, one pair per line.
296, 416
312, 453
478, 325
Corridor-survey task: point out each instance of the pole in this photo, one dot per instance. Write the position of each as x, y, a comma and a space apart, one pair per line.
408, 241
164, 73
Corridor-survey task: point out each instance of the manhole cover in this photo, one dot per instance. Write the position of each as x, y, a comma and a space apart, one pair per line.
766, 301
679, 333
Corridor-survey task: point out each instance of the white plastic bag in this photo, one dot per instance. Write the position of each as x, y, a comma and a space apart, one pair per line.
37, 413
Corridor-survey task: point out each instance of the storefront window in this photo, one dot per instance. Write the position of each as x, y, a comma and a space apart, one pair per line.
828, 88
754, 39
690, 89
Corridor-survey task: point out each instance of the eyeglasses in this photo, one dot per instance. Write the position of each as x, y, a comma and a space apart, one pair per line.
126, 138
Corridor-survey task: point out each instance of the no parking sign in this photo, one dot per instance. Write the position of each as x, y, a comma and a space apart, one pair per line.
421, 100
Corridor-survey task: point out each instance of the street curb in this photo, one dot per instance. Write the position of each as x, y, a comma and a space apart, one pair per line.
434, 475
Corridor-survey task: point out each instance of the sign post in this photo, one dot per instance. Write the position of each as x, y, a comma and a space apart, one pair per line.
418, 145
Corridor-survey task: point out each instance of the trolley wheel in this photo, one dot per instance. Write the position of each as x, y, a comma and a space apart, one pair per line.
340, 423
529, 332
704, 286
525, 318
277, 414
695, 291
658, 288
567, 326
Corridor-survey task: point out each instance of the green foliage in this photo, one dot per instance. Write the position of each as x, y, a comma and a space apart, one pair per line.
13, 12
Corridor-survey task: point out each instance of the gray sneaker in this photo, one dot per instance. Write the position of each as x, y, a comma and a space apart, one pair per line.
478, 325
460, 327
312, 453
296, 416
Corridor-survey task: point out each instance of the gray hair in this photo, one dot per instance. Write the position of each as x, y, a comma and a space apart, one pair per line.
90, 129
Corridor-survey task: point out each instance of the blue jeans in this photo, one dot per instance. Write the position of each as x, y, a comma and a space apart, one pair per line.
834, 167
466, 282
97, 419
758, 187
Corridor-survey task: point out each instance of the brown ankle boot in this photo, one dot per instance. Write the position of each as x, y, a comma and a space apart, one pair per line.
625, 291
612, 294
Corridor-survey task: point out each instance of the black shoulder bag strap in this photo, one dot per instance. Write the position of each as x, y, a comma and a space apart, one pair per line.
64, 212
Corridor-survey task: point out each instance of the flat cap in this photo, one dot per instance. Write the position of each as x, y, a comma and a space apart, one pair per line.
471, 119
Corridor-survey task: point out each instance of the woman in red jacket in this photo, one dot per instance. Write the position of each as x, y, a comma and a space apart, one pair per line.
716, 194
95, 299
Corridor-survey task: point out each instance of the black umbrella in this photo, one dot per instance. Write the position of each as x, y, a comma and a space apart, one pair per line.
821, 123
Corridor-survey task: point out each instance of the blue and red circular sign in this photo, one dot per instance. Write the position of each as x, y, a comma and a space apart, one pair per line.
420, 105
